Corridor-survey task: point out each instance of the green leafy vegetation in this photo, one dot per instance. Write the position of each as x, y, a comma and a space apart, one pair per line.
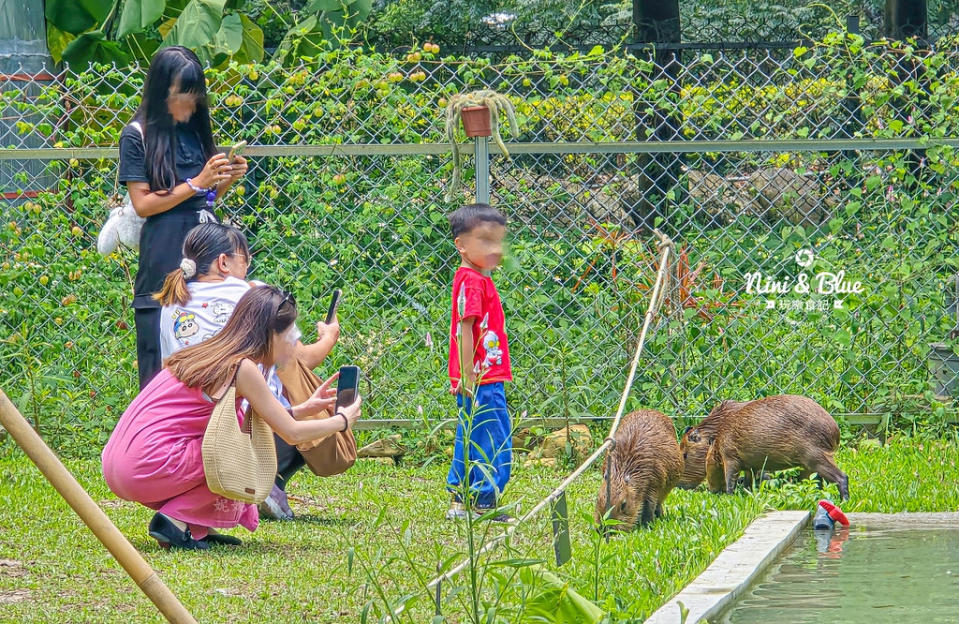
576, 283
374, 536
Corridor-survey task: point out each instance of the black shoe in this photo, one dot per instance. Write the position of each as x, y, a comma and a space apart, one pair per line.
168, 535
219, 538
491, 514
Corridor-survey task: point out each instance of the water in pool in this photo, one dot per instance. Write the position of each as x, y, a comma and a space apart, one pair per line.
874, 575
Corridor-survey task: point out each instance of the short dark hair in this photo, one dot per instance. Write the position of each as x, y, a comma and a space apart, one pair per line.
467, 217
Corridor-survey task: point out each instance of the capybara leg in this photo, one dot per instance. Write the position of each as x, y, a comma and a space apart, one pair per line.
732, 474
753, 478
648, 513
829, 471
659, 510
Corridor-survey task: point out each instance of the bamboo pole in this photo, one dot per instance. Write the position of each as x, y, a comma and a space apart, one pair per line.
91, 514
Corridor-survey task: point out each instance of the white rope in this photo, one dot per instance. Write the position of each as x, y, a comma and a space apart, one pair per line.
656, 300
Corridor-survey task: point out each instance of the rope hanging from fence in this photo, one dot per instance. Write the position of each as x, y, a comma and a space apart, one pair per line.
664, 278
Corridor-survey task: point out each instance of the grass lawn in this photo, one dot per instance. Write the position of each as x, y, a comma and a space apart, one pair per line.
377, 533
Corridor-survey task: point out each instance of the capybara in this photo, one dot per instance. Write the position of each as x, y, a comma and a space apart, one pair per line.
775, 433
695, 443
644, 465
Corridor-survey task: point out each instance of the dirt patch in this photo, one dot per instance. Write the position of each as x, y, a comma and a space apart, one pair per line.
115, 503
14, 596
12, 568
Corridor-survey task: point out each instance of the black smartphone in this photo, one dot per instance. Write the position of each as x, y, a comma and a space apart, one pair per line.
347, 385
334, 304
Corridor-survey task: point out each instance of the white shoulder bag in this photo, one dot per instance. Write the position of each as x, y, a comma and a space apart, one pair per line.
124, 224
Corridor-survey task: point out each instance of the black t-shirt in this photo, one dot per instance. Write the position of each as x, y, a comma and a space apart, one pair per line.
161, 239
188, 161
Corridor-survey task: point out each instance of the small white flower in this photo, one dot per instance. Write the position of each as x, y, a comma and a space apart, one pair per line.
499, 19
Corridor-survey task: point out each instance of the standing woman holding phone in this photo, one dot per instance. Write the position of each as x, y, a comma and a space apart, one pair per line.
174, 175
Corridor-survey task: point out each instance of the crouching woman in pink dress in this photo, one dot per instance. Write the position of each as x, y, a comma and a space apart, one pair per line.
153, 456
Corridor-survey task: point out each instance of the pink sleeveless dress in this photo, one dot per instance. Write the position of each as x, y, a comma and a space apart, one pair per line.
153, 457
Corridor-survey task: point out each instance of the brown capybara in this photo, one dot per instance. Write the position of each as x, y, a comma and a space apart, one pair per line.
775, 433
644, 465
695, 443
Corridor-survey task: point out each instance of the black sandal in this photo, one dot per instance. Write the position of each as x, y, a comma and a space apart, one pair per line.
169, 535
219, 538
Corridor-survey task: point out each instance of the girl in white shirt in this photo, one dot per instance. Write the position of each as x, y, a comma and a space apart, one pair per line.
197, 300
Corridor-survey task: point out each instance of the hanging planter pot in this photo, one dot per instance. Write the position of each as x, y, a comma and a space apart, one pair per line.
479, 112
476, 121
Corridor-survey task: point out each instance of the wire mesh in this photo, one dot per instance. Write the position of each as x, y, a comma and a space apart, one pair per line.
735, 155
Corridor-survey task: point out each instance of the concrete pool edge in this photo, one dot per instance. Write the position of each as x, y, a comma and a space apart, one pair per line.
905, 520
734, 568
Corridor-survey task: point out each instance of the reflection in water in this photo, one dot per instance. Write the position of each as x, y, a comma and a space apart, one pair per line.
829, 543
858, 576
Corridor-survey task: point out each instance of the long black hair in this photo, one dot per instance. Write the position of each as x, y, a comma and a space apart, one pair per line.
171, 66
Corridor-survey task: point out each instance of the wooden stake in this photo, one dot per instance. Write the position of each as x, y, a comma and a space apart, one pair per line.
91, 514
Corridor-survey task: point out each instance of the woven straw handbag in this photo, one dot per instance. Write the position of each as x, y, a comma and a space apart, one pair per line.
239, 461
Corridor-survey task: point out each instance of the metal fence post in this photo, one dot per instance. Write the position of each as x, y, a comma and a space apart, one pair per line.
481, 157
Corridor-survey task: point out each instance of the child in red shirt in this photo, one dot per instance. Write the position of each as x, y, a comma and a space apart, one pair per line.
483, 423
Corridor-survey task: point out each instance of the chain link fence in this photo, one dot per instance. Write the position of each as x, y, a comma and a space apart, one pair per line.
730, 25
812, 195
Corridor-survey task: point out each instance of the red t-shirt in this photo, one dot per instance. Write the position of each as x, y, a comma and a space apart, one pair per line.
477, 296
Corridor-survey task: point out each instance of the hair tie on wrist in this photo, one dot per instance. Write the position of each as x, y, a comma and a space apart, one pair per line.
188, 266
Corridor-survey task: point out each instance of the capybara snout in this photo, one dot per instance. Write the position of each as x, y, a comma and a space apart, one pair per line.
643, 466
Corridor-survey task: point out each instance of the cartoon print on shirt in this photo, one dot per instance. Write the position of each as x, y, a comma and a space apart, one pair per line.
221, 312
494, 355
184, 326
491, 345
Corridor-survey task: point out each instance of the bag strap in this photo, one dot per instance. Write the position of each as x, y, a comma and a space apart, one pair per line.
116, 179
247, 425
232, 385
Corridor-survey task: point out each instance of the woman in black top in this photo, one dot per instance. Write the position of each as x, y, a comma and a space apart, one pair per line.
169, 164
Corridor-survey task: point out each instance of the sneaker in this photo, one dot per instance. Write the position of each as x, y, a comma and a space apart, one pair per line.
501, 517
459, 511
275, 506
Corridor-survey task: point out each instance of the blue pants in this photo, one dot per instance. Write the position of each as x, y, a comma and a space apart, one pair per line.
483, 425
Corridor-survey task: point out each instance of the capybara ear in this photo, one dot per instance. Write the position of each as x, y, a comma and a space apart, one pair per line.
687, 429
693, 434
